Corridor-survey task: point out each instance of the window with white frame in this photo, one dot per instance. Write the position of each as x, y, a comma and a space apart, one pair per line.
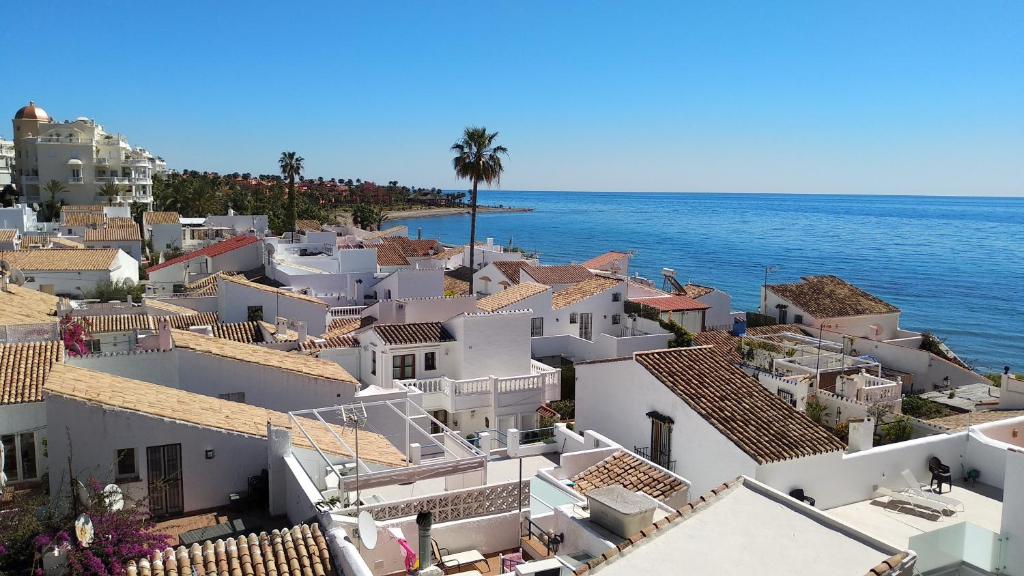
536, 327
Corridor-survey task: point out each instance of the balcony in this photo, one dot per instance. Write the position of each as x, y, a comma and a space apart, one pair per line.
443, 393
64, 140
660, 458
75, 180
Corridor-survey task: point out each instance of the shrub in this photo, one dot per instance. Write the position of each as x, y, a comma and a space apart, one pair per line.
842, 431
566, 408
120, 290
815, 410
899, 430
923, 408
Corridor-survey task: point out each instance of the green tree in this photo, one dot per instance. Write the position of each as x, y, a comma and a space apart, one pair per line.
55, 188
291, 168
815, 410
478, 160
110, 191
368, 216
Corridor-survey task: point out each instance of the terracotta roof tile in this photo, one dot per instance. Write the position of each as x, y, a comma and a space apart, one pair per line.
65, 243
390, 255
80, 219
245, 332
630, 472
24, 306
119, 323
8, 235
206, 286
831, 297
765, 427
510, 296
120, 234
725, 343
152, 218
121, 222
277, 359
88, 208
338, 341
604, 261
957, 422
511, 269
696, 290
186, 321
208, 412
455, 287
415, 333
308, 226
24, 367
300, 551
581, 291
552, 275
241, 281
60, 260
673, 303
213, 250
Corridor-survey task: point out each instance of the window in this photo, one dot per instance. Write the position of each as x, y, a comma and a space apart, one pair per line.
373, 363
616, 296
430, 361
787, 396
10, 464
616, 319
233, 397
403, 367
19, 456
30, 278
255, 313
93, 345
574, 318
536, 327
798, 318
127, 468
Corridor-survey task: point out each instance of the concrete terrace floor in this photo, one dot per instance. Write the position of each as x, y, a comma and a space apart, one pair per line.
499, 470
895, 523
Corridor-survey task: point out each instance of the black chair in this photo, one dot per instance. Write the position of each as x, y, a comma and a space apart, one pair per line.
940, 473
798, 494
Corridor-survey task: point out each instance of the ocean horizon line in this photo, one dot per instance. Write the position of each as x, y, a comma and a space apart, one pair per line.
667, 192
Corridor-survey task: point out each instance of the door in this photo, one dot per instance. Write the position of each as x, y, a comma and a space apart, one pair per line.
505, 422
661, 443
163, 465
586, 325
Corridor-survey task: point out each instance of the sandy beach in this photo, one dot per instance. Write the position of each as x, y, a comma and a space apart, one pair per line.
441, 211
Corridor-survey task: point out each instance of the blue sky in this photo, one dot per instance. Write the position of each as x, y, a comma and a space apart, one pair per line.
834, 97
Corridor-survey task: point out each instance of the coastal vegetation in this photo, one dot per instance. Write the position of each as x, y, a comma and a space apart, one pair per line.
477, 159
291, 168
923, 408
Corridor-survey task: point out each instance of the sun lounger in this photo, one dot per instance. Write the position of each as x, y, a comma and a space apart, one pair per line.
915, 488
447, 560
906, 496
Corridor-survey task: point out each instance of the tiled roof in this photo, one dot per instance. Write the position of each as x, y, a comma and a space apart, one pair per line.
79, 219
447, 253
755, 420
246, 332
414, 248
391, 255
632, 473
241, 281
88, 208
186, 321
60, 260
121, 222
696, 290
831, 297
455, 287
213, 250
957, 422
340, 341
510, 295
308, 226
262, 356
152, 218
166, 306
213, 413
673, 303
23, 369
24, 306
582, 291
415, 333
8, 235
119, 323
65, 243
511, 269
300, 551
206, 286
342, 326
120, 234
725, 343
552, 275
604, 260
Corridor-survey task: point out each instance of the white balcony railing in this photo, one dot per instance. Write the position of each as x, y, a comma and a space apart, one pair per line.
75, 180
346, 311
453, 395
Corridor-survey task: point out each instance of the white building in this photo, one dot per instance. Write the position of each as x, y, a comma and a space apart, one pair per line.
240, 300
6, 163
163, 229
616, 263
22, 218
24, 367
718, 315
683, 310
237, 254
80, 155
119, 237
73, 272
691, 411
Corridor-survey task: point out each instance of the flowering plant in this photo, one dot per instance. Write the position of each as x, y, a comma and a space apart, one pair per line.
74, 332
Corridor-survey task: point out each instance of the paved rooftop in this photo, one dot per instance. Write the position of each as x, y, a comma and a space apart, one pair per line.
983, 506
499, 471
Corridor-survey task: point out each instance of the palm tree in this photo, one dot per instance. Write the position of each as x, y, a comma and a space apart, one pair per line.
111, 191
478, 160
291, 168
55, 188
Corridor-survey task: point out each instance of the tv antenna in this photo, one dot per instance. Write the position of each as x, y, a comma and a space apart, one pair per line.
355, 415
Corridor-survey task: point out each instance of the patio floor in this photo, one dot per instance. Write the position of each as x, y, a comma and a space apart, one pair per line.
258, 520
491, 566
896, 522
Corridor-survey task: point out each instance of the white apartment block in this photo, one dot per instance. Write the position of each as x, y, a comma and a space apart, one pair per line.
80, 155
6, 162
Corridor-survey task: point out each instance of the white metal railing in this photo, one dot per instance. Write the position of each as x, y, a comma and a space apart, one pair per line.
75, 180
343, 311
64, 140
113, 180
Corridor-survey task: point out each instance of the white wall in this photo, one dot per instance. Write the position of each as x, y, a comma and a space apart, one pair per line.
234, 299
27, 417
1013, 513
409, 283
78, 283
165, 236
491, 344
614, 398
97, 433
865, 325
131, 247
719, 316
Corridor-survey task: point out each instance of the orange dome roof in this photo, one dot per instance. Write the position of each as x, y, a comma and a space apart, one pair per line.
32, 112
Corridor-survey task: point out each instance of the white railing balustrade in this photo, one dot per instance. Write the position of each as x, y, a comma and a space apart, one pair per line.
344, 311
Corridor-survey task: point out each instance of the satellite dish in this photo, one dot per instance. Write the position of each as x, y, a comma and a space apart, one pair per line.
128, 283
113, 496
270, 249
83, 493
83, 530
17, 277
367, 530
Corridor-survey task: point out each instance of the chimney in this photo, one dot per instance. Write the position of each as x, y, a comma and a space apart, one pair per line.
300, 327
164, 334
281, 325
424, 521
861, 434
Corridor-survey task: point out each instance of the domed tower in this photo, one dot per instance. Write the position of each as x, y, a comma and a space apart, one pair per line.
26, 127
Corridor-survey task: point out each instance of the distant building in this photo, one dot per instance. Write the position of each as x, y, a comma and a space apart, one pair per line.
6, 163
72, 272
834, 305
80, 155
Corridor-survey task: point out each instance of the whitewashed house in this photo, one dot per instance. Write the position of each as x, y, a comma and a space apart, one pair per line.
497, 276
683, 310
239, 300
122, 236
236, 254
616, 263
693, 412
163, 230
24, 367
72, 272
718, 315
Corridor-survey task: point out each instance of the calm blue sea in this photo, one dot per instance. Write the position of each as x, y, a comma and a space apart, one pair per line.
953, 265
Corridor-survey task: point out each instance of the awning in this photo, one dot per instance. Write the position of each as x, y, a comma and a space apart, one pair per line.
74, 162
